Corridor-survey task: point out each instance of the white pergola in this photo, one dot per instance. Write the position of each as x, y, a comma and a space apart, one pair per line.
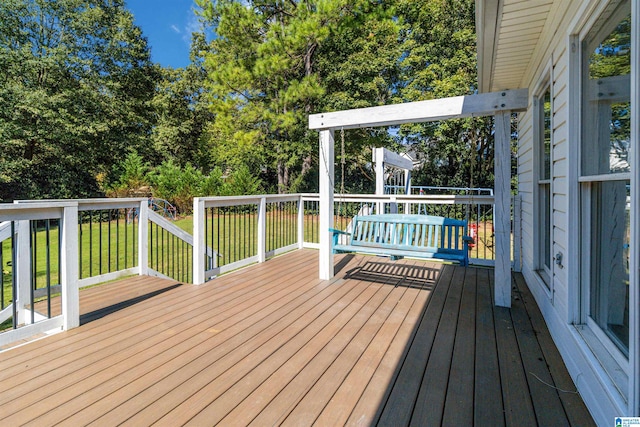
498, 104
382, 158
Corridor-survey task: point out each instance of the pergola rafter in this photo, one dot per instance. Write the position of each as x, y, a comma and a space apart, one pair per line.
498, 104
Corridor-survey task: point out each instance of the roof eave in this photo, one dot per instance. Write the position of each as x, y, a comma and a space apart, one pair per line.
488, 13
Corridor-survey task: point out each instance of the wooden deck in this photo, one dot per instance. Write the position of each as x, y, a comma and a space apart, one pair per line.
386, 342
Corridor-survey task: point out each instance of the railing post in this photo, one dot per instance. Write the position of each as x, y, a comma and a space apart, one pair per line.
143, 238
69, 268
23, 271
262, 229
198, 241
378, 159
300, 223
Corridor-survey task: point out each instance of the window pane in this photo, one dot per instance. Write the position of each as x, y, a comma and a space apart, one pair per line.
606, 95
610, 239
545, 194
545, 164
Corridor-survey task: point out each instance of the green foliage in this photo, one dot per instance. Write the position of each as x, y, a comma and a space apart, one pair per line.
242, 182
273, 63
130, 176
76, 85
176, 184
84, 112
440, 61
266, 74
182, 112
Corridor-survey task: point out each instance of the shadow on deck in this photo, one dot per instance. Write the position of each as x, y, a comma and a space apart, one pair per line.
388, 343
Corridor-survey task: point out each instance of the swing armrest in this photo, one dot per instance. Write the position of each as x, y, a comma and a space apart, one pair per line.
336, 233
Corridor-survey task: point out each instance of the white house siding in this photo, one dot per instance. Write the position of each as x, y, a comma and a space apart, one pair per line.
525, 182
560, 307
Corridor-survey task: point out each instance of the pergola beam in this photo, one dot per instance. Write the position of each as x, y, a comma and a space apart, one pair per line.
486, 104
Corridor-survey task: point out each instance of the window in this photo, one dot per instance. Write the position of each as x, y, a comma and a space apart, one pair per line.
605, 173
543, 143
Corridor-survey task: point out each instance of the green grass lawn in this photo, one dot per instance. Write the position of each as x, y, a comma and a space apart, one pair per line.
112, 246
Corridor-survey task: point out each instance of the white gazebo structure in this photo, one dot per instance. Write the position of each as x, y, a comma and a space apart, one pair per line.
498, 104
383, 158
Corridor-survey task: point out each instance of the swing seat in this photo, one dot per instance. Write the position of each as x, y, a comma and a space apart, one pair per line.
398, 236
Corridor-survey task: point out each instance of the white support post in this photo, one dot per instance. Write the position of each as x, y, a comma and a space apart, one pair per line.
143, 238
262, 230
198, 241
407, 189
327, 168
69, 268
407, 182
300, 223
378, 160
502, 211
23, 271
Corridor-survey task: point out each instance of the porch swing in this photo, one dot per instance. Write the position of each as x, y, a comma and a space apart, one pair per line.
401, 235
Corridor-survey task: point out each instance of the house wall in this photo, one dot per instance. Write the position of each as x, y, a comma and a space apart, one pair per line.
560, 306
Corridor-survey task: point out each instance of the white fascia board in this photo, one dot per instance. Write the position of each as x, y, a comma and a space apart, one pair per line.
486, 104
488, 14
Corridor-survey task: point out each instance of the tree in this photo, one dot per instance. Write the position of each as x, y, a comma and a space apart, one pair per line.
263, 82
181, 107
439, 60
76, 85
274, 62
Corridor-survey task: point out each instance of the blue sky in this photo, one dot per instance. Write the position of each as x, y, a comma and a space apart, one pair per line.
168, 25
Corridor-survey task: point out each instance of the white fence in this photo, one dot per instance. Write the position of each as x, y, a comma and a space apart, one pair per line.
55, 247
249, 229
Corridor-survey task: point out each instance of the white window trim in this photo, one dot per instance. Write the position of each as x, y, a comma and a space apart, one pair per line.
579, 305
545, 83
634, 268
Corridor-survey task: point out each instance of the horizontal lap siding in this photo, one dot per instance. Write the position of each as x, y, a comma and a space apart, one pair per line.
552, 47
525, 181
560, 173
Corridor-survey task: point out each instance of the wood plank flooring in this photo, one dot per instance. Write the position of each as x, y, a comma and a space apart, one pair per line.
384, 343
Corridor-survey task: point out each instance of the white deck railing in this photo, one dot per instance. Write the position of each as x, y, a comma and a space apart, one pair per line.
56, 247
21, 310
114, 238
249, 229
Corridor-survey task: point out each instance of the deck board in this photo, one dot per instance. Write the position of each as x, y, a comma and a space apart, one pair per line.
518, 407
429, 406
385, 342
404, 390
544, 397
488, 402
458, 409
575, 409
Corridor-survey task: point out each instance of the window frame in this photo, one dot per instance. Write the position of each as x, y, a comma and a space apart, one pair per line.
597, 340
544, 272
